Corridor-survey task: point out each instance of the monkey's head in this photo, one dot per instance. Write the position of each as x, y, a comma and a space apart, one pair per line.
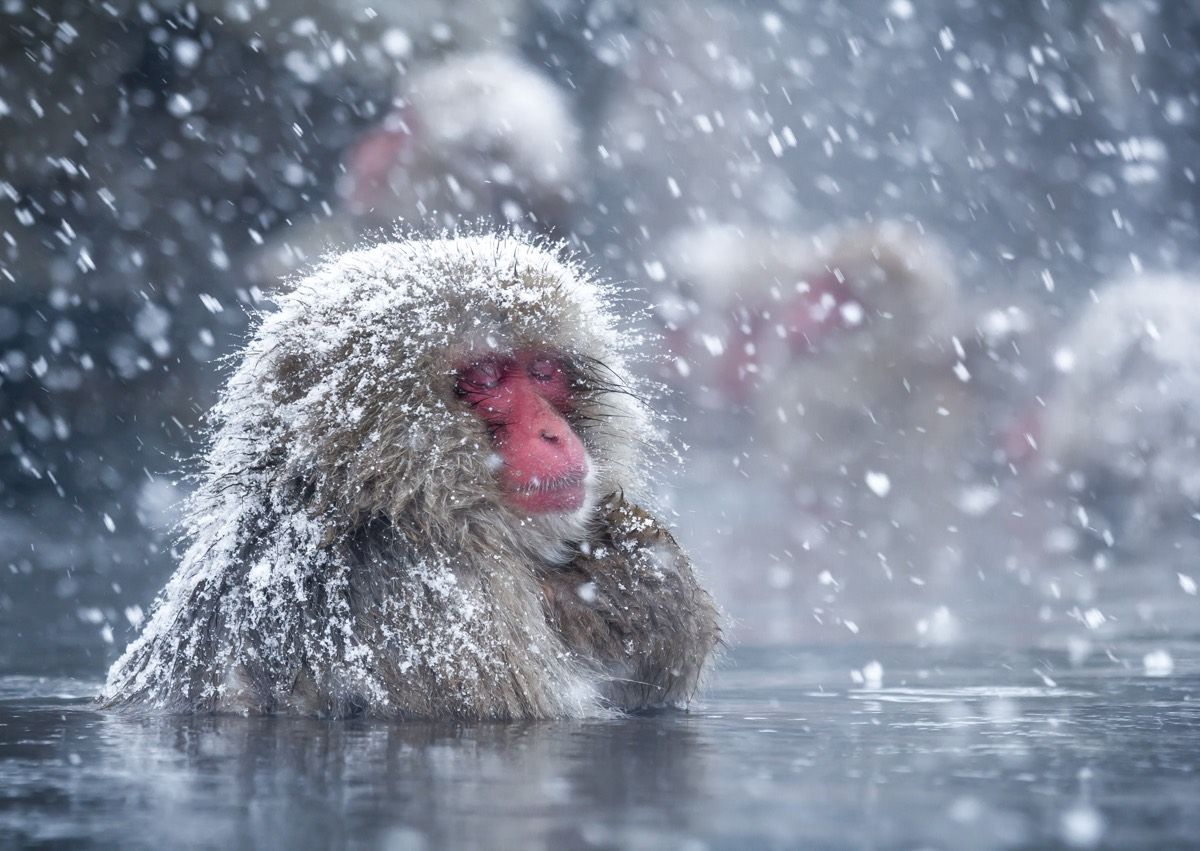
465, 142
765, 304
452, 387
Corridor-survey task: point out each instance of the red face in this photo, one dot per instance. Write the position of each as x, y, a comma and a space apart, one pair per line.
371, 160
827, 307
523, 399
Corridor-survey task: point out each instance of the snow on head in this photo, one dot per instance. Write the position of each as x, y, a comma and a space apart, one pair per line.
358, 356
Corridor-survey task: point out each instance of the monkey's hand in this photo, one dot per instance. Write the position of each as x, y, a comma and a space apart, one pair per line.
630, 604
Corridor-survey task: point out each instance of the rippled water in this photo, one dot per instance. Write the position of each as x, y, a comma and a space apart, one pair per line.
952, 749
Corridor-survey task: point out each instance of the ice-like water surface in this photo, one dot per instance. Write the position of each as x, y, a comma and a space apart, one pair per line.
932, 748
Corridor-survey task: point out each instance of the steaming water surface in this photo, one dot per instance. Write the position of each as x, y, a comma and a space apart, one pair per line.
807, 747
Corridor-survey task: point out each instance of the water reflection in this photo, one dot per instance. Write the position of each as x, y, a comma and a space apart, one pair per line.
305, 782
971, 747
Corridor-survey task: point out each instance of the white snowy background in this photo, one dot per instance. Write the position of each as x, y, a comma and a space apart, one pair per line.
163, 165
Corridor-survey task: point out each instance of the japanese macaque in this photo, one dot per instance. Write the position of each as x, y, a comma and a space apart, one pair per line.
859, 376
420, 503
480, 136
841, 342
1120, 433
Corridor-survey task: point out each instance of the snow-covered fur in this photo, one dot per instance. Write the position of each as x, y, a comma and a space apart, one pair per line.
1121, 429
349, 550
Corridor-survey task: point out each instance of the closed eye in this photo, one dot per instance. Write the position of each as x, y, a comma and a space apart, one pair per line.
543, 369
478, 377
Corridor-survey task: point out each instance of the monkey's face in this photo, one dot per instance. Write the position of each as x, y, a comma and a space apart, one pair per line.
524, 400
821, 311
816, 321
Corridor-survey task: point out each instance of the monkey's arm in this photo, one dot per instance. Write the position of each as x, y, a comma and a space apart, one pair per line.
632, 605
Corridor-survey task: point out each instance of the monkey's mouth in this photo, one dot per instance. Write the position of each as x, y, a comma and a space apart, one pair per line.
565, 493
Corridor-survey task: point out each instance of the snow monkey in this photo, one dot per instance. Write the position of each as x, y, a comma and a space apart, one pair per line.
1120, 433
419, 503
875, 389
840, 341
482, 136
